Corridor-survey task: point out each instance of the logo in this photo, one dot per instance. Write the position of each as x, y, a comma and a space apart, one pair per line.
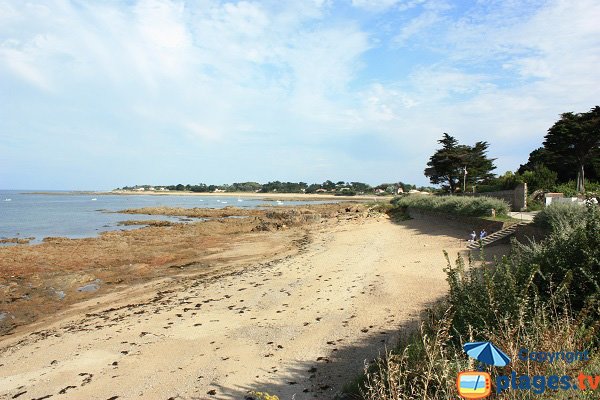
478, 384
474, 385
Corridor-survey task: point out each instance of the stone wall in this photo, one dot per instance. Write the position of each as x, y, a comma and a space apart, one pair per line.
517, 198
467, 223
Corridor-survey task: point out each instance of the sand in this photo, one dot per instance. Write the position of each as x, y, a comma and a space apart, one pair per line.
299, 323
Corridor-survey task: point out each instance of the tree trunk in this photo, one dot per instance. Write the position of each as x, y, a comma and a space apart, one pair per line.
581, 179
451, 184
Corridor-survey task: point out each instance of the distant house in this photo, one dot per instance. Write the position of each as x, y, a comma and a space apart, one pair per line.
151, 188
400, 191
321, 190
139, 189
219, 190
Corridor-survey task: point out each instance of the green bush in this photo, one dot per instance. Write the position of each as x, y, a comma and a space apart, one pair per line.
570, 256
560, 217
458, 205
539, 178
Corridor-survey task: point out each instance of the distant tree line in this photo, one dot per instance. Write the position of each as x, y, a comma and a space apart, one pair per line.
329, 186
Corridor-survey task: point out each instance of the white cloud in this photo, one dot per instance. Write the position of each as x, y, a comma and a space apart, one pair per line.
374, 5
254, 75
416, 26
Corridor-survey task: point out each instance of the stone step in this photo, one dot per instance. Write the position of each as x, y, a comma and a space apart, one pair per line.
494, 237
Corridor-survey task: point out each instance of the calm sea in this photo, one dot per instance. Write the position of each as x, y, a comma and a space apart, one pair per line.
83, 215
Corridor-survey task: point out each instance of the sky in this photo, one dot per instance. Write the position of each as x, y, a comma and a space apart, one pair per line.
103, 94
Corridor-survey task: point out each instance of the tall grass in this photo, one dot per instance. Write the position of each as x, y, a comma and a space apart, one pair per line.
529, 299
467, 206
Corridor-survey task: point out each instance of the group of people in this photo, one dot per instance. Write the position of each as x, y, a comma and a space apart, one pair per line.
482, 234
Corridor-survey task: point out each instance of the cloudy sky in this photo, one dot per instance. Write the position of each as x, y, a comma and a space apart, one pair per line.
100, 94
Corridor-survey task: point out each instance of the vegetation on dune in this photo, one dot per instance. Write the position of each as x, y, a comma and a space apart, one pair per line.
543, 296
467, 206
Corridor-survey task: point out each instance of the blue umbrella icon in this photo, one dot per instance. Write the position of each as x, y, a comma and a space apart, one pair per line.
486, 353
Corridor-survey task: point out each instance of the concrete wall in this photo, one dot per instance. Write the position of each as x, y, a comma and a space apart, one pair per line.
517, 198
467, 223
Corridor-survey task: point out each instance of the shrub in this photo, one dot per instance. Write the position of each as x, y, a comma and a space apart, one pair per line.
570, 257
467, 206
540, 178
560, 217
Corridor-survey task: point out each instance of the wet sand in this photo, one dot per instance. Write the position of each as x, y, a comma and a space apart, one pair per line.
290, 310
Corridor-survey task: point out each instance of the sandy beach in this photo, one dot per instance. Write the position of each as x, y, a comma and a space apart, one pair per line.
292, 310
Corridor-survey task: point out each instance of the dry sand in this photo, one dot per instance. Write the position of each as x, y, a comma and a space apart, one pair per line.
298, 324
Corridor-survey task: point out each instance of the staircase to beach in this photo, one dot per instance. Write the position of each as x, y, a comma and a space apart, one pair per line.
494, 237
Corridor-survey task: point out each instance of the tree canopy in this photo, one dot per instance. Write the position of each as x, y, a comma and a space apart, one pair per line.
447, 165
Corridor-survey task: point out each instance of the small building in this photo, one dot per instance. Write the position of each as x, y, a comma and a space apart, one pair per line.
560, 198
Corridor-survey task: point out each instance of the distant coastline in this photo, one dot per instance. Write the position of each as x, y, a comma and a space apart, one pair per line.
266, 196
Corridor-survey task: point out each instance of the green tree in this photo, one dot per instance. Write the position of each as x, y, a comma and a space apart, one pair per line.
313, 188
447, 165
328, 185
575, 139
361, 187
539, 178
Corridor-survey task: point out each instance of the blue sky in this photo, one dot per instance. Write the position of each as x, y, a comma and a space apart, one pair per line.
102, 94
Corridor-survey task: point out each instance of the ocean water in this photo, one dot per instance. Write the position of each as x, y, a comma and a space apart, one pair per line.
69, 215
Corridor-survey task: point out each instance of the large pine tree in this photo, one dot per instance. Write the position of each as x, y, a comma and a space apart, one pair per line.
446, 166
575, 140
571, 148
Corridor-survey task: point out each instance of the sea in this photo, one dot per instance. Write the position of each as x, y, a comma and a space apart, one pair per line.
25, 214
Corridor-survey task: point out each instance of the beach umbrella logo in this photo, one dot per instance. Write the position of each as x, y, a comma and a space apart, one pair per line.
486, 353
478, 384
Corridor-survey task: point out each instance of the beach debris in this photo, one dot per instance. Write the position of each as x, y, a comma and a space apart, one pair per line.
58, 293
16, 240
90, 287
